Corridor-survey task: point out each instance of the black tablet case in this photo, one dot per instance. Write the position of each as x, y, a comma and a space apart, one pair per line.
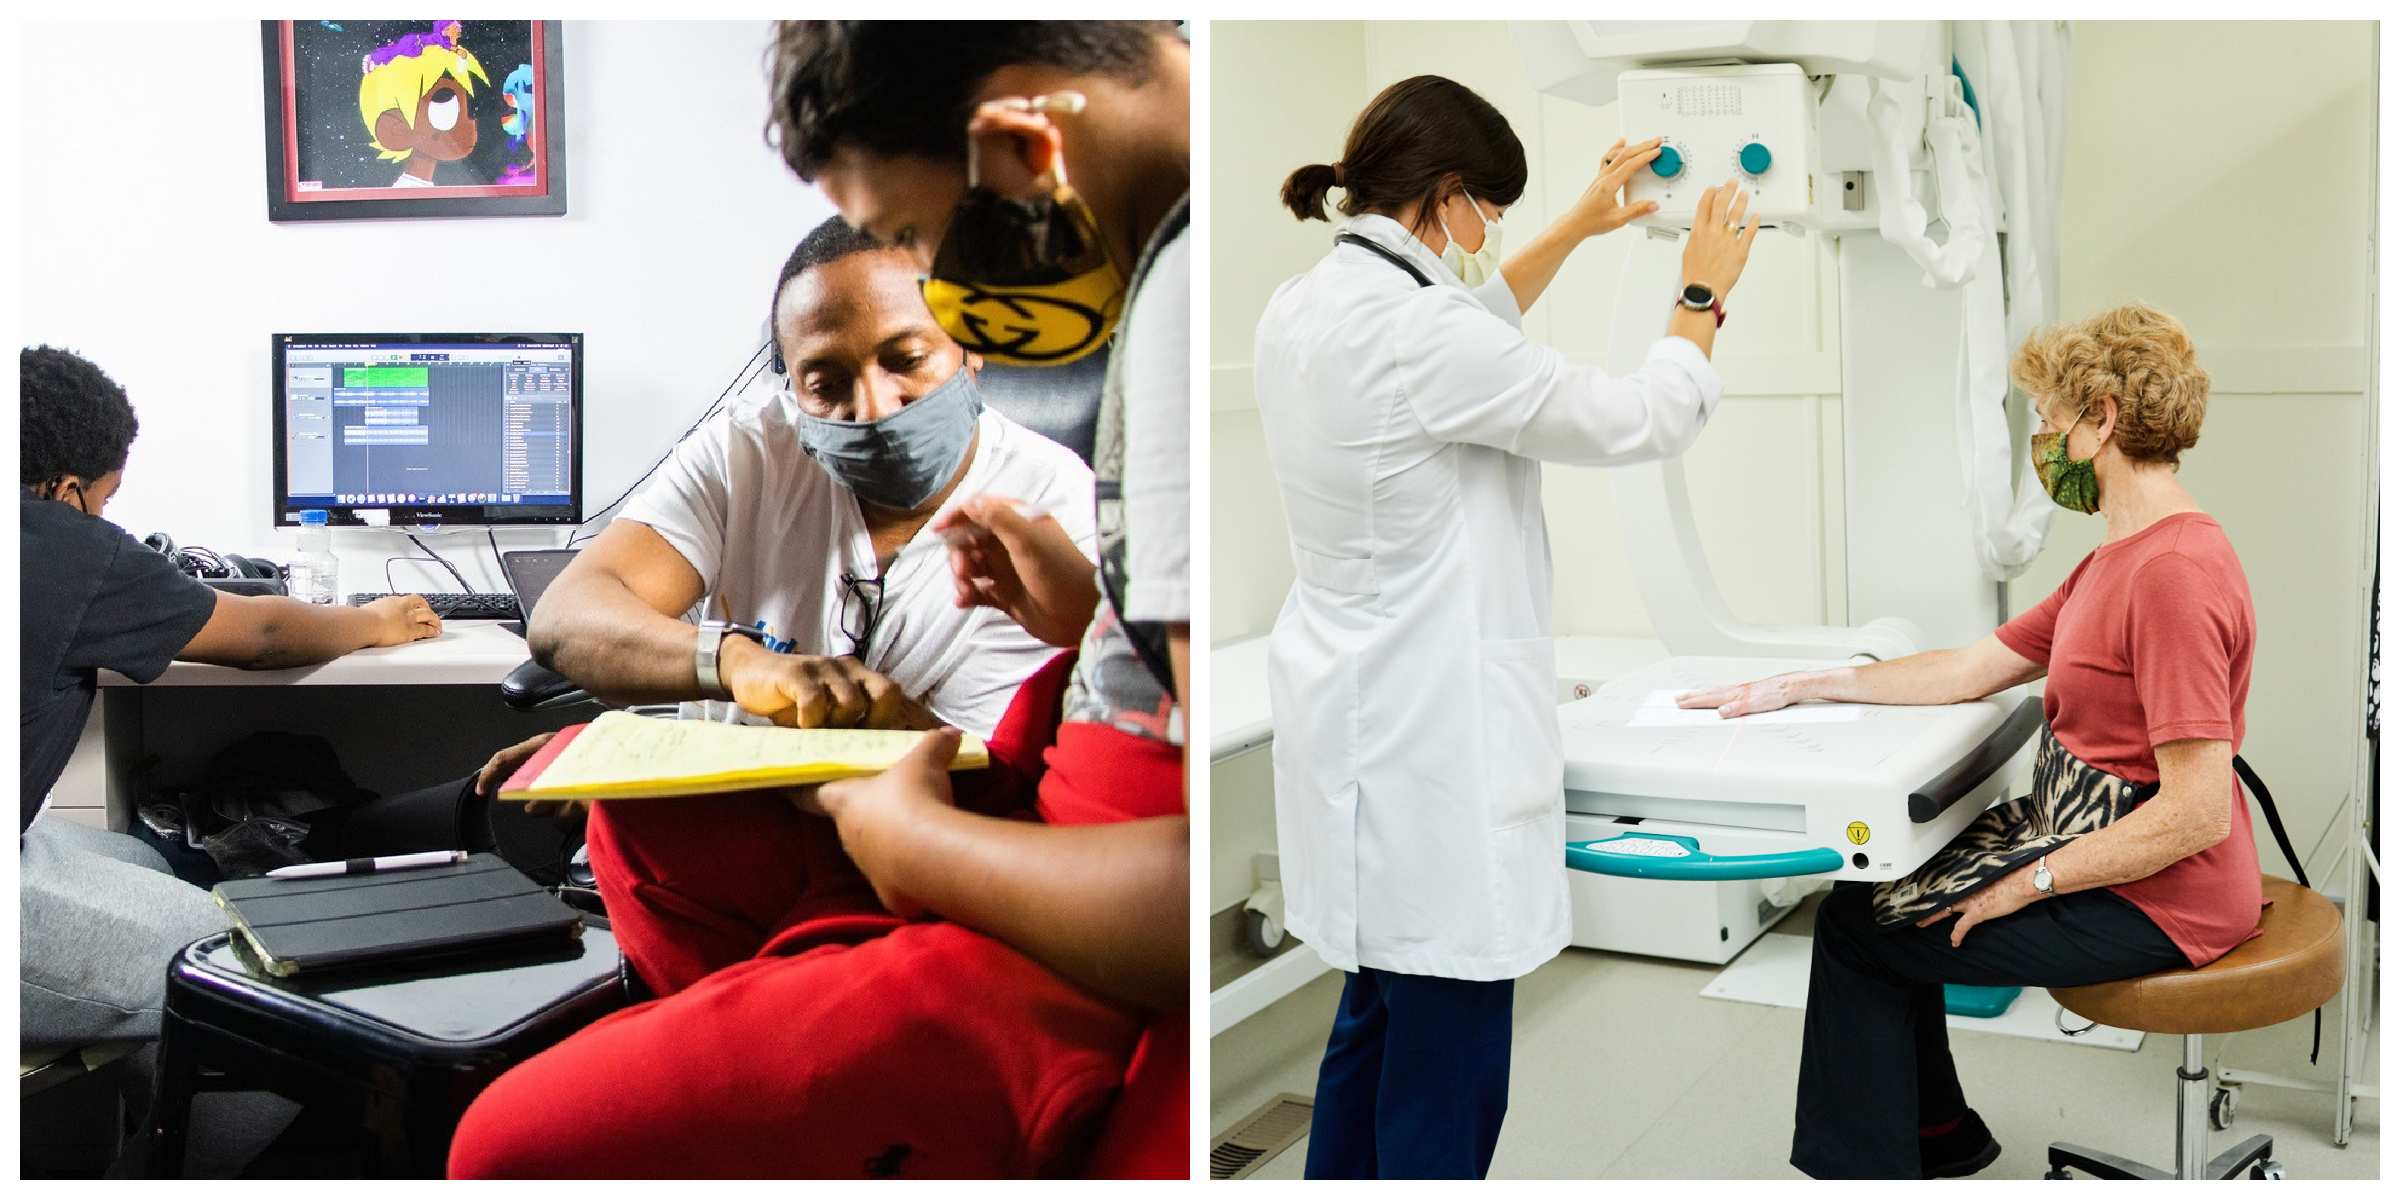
309, 924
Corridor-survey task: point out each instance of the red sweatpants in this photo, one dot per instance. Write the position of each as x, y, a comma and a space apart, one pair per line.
801, 1030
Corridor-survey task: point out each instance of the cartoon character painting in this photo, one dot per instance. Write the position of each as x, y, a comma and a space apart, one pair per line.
517, 92
413, 98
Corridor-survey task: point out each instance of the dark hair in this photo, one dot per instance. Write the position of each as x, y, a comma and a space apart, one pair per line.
829, 242
75, 420
1414, 137
908, 87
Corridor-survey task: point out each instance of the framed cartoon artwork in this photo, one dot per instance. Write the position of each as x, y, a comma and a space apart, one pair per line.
448, 118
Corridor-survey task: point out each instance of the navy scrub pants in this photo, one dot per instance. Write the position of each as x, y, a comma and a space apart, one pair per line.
1415, 1078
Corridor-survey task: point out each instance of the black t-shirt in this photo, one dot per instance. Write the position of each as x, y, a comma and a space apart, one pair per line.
93, 598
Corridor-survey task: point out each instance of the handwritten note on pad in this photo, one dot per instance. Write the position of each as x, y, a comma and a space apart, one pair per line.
1659, 709
622, 757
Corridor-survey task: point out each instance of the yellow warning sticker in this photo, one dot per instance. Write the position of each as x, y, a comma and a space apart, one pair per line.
1858, 833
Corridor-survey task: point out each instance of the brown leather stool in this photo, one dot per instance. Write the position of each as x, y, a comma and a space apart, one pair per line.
2292, 966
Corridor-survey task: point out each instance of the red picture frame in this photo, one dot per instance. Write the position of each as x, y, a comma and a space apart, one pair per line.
324, 164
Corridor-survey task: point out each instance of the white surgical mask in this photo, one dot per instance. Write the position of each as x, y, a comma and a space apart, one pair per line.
1472, 269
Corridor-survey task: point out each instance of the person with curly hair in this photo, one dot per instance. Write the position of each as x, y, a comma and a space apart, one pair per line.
2147, 648
100, 914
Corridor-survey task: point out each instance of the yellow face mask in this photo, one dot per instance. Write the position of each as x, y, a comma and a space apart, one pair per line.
1026, 282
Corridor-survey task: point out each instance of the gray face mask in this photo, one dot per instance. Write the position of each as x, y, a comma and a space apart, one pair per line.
900, 461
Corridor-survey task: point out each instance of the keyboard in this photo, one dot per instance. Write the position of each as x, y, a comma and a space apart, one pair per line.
458, 606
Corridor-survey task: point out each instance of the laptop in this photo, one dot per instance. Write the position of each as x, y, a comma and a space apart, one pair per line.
530, 573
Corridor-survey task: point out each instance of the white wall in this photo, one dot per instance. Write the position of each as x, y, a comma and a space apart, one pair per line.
1283, 94
151, 254
2179, 190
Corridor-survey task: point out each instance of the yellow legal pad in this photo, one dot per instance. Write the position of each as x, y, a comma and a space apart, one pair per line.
626, 757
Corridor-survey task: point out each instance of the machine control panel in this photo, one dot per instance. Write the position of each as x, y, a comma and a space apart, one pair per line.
1754, 124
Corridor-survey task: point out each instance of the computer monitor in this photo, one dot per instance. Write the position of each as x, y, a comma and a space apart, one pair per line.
429, 428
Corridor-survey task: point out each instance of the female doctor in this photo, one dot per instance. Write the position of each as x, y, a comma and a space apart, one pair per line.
1419, 793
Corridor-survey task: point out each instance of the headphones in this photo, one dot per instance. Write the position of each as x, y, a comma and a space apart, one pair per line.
200, 562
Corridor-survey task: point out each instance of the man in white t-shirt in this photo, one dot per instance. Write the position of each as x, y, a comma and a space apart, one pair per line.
785, 548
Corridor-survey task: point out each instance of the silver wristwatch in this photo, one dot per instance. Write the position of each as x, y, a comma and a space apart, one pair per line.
2043, 882
704, 655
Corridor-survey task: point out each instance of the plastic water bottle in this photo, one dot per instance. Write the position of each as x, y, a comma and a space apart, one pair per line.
315, 576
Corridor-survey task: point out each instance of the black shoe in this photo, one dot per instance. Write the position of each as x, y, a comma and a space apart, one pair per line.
1960, 1151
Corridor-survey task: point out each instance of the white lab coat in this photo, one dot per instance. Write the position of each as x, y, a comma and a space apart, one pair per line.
1419, 792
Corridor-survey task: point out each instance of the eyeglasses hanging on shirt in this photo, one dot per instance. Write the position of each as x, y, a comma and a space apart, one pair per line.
862, 611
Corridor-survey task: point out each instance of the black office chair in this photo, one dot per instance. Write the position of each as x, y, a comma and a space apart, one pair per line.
533, 687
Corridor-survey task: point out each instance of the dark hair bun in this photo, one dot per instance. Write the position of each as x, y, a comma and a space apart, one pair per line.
1304, 192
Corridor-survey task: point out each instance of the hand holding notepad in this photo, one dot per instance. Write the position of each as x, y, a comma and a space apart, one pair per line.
623, 757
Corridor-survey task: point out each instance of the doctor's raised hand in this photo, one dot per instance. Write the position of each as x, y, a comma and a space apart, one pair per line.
1602, 207
1719, 245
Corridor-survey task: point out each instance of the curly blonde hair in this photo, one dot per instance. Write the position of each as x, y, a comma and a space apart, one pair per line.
2138, 355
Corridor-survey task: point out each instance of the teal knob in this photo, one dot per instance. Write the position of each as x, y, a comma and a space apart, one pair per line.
1668, 164
1756, 159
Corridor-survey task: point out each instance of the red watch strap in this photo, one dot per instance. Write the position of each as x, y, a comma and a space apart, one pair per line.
1715, 305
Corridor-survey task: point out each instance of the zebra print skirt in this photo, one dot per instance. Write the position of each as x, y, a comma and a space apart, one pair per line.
2070, 798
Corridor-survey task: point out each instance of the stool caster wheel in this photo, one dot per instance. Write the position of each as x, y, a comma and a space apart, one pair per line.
1262, 935
2270, 1169
2221, 1107
2056, 1173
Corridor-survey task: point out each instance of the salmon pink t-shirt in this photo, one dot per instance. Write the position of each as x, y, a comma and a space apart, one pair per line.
2149, 642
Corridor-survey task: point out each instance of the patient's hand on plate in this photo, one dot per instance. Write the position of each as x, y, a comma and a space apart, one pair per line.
1741, 700
1024, 566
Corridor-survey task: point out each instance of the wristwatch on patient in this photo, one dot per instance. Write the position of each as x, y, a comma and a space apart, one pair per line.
1699, 297
2043, 881
704, 655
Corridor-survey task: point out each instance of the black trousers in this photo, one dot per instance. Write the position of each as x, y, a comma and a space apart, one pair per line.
450, 816
1875, 1057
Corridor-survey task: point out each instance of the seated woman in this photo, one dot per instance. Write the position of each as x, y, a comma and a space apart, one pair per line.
2134, 853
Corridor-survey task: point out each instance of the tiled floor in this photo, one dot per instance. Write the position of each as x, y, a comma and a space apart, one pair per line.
1622, 1070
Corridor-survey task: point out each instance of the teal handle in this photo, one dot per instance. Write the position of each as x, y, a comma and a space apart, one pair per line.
1698, 864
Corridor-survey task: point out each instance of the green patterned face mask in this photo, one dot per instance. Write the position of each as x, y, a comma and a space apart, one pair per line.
2070, 481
